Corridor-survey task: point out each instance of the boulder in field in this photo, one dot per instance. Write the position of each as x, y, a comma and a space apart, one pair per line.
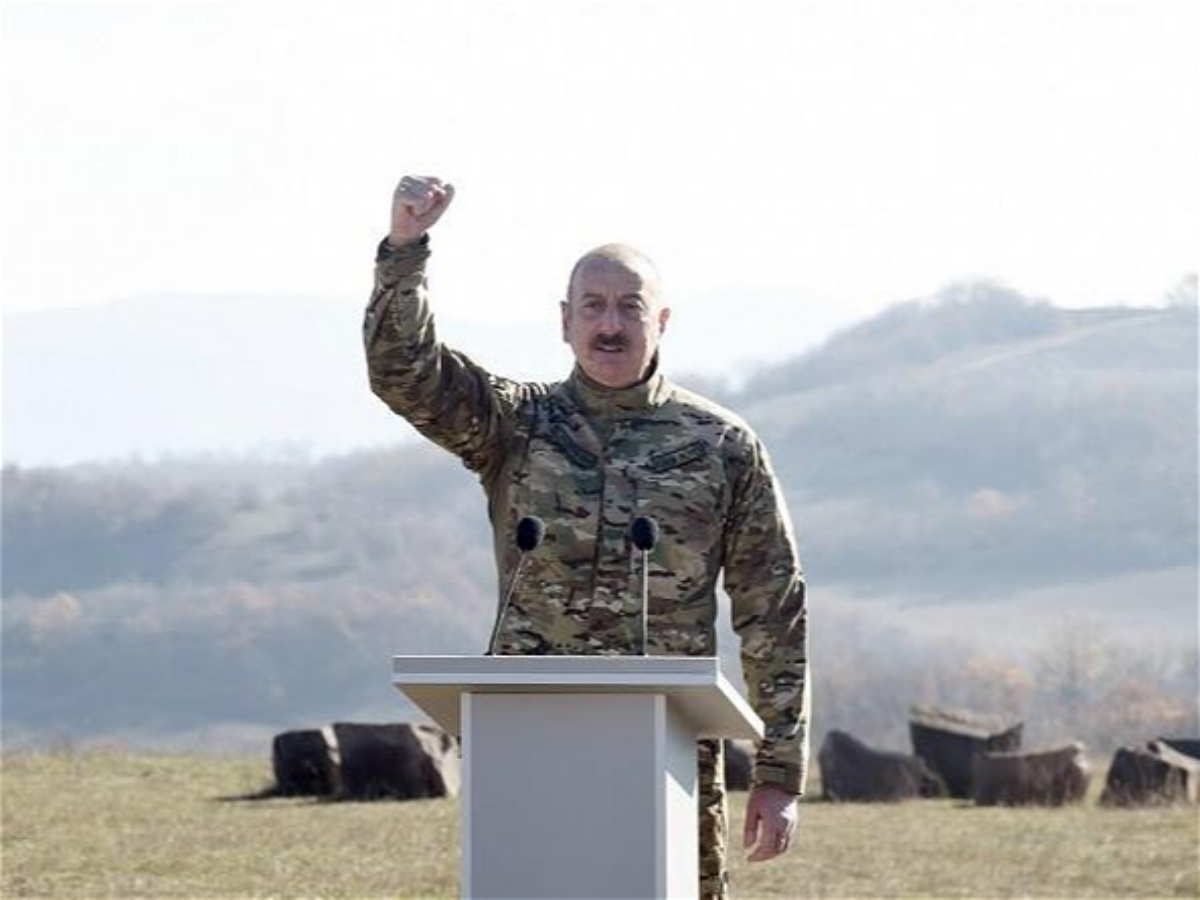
1045, 778
305, 763
400, 761
949, 740
850, 770
1187, 746
739, 765
1151, 774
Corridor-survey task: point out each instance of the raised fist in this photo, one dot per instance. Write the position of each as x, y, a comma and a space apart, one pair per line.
418, 202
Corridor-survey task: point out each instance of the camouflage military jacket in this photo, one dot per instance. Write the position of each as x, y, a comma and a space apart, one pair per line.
587, 460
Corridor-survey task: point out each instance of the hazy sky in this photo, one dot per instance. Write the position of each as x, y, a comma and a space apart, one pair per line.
854, 153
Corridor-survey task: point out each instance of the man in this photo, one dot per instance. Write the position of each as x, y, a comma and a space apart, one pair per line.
614, 441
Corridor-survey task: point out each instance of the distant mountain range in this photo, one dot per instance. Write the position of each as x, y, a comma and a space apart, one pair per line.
975, 457
184, 375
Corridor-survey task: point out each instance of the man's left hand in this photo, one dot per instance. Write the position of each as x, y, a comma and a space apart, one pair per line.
770, 822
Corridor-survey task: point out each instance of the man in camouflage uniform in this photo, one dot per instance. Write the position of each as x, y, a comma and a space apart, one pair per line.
614, 441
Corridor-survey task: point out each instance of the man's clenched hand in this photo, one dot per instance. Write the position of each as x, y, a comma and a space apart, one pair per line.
418, 202
770, 822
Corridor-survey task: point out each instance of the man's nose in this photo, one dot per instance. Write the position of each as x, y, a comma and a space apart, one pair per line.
610, 321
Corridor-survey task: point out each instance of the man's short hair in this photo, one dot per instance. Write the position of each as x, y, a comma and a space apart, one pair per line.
628, 256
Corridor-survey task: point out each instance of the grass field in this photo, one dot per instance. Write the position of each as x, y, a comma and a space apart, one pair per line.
103, 825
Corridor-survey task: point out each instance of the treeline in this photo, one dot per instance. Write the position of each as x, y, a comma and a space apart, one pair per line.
1078, 682
143, 665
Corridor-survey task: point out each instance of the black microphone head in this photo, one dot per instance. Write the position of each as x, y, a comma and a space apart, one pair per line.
530, 531
644, 532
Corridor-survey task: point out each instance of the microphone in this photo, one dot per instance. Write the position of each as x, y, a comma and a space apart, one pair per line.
530, 531
644, 532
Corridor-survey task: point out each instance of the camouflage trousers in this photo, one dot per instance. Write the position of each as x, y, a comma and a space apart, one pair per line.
714, 820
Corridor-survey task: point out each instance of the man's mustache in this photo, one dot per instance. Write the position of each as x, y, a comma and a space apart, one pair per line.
610, 342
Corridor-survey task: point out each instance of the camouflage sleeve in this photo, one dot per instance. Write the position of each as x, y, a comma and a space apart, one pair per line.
766, 588
446, 396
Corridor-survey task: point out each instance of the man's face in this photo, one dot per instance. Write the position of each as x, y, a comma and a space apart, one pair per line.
613, 320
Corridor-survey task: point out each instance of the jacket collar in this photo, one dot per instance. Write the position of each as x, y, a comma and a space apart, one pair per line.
605, 404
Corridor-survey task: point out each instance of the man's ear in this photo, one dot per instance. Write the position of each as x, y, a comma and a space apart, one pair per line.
564, 309
663, 315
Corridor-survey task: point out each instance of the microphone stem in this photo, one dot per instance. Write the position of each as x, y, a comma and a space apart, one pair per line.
645, 601
512, 586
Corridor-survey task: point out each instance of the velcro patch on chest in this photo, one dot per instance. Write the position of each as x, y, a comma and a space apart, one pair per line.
673, 459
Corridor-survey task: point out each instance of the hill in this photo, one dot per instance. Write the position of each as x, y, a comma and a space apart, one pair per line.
980, 432
976, 473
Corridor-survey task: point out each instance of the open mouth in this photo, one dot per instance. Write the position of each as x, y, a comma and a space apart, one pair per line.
612, 347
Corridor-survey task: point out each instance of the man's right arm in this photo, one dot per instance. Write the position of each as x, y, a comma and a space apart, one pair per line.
447, 397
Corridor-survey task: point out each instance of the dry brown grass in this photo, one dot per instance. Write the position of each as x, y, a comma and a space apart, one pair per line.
122, 826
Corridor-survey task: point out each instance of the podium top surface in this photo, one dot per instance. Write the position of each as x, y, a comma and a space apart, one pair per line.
693, 684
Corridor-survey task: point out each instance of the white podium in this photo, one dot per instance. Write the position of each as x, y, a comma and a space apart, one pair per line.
579, 772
